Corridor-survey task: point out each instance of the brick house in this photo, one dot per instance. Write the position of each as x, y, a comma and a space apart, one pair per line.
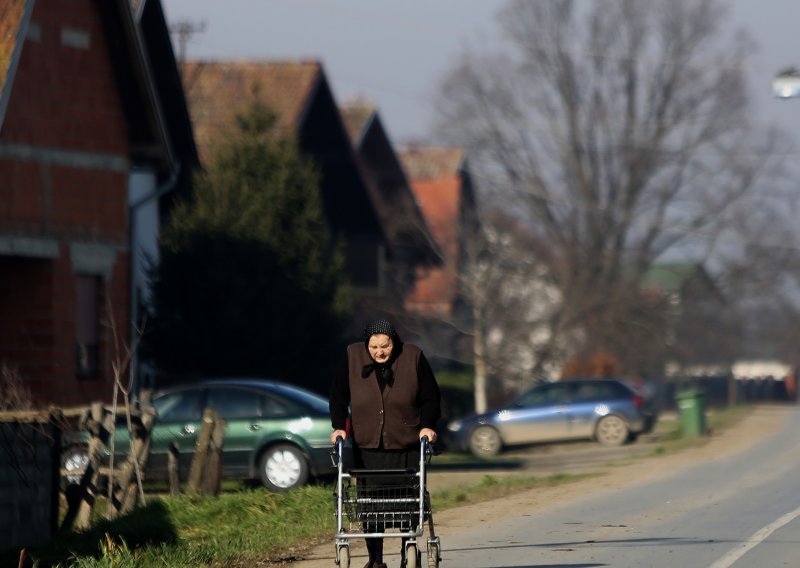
86, 160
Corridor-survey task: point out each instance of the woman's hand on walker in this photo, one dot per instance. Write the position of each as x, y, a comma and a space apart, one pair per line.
338, 434
429, 433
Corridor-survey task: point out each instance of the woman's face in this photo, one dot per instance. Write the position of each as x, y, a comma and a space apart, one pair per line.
380, 347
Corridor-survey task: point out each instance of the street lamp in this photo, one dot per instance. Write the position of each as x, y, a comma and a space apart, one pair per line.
786, 84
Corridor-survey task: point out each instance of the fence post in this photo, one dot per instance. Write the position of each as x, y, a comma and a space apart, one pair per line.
201, 452
173, 468
99, 424
214, 466
126, 488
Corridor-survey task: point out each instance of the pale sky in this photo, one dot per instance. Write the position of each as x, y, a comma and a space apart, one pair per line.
394, 52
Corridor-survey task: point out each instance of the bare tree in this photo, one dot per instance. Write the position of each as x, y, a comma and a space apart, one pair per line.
619, 131
512, 297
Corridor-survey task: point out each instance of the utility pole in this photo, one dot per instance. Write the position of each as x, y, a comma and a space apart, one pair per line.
184, 30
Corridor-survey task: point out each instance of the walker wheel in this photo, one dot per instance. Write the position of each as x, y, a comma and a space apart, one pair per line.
344, 557
433, 555
412, 556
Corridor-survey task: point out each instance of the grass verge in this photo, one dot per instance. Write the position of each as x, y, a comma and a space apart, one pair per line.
241, 528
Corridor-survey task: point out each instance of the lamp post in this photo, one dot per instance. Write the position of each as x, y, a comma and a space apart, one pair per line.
786, 84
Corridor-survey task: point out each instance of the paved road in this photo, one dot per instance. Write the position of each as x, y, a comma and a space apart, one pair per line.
740, 511
737, 511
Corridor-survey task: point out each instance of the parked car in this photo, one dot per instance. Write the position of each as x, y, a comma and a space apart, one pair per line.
275, 432
606, 410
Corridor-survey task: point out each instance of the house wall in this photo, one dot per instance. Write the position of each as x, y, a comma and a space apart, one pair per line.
63, 210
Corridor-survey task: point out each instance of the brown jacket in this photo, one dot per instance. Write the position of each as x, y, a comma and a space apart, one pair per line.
394, 415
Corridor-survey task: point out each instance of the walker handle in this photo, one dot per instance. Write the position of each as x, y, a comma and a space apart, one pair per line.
336, 451
427, 448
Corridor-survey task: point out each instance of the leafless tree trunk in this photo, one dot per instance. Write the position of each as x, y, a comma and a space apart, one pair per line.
139, 435
506, 282
619, 131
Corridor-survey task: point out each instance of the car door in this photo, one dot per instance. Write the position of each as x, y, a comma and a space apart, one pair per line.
591, 401
538, 415
243, 410
178, 419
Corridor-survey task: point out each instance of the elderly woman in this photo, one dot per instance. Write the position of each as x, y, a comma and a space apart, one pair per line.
394, 401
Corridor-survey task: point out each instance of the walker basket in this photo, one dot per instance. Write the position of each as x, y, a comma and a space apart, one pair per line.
380, 500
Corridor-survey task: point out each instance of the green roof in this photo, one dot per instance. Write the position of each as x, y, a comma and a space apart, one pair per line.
670, 276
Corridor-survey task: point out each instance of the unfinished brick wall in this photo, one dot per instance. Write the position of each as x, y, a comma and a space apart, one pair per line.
63, 180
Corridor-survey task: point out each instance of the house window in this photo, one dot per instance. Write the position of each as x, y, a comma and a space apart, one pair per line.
75, 38
34, 32
87, 325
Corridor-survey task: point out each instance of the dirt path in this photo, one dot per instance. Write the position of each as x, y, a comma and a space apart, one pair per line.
761, 422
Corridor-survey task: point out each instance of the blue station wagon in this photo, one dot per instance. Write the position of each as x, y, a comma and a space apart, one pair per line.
606, 410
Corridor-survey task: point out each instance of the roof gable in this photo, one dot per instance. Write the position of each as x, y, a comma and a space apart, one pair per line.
218, 91
358, 117
146, 125
299, 94
389, 187
166, 78
120, 41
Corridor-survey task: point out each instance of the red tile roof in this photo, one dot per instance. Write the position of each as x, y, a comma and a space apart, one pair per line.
12, 13
436, 180
217, 91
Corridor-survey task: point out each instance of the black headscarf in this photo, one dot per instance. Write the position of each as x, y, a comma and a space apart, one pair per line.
383, 371
383, 326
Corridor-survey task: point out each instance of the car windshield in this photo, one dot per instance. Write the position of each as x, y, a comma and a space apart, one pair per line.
307, 398
233, 403
179, 405
553, 393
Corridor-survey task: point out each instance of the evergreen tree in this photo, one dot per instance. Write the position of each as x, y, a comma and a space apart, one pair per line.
249, 280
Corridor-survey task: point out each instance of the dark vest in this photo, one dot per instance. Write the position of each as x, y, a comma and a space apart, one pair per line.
393, 415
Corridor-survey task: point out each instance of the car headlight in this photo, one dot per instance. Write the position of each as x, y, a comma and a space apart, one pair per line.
454, 426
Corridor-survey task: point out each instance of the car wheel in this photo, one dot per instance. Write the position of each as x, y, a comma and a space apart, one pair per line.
283, 467
612, 431
485, 442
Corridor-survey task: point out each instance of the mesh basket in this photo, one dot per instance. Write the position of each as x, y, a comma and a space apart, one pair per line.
372, 504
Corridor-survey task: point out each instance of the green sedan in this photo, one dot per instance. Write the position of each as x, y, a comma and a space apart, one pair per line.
275, 432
